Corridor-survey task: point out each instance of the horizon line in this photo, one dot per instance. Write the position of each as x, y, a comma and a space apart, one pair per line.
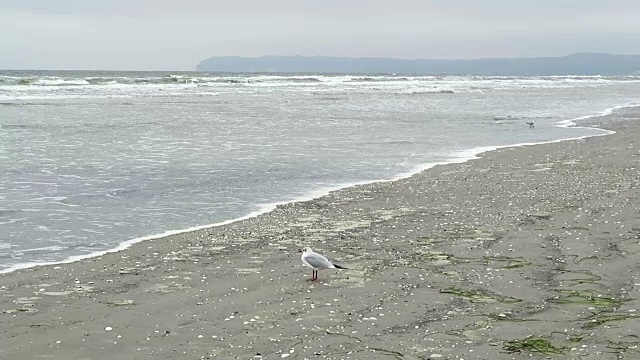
192, 69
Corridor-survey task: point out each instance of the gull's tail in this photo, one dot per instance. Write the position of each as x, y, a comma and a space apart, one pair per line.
339, 267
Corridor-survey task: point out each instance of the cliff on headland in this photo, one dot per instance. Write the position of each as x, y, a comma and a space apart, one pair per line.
574, 64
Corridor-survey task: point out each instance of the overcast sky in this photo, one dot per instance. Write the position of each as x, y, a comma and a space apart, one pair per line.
177, 34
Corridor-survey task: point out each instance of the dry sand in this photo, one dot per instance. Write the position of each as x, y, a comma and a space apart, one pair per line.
528, 252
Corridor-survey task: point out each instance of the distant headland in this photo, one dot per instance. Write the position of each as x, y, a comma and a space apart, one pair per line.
574, 64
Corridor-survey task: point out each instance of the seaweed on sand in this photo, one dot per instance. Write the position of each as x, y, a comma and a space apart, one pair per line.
534, 344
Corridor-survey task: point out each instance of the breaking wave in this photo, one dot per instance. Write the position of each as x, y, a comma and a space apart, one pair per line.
16, 86
420, 91
198, 78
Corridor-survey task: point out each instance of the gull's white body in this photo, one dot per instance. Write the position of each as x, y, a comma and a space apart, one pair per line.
316, 262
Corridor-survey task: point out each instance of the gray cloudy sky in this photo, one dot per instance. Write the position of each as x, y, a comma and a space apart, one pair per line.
177, 34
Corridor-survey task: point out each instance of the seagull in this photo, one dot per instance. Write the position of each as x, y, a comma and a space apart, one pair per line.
317, 262
531, 123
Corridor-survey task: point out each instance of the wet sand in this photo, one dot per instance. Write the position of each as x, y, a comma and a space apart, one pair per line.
528, 252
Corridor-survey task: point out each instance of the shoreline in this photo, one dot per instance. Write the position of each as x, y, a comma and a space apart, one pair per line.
526, 251
458, 157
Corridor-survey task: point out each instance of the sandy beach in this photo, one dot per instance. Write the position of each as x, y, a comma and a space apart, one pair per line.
527, 252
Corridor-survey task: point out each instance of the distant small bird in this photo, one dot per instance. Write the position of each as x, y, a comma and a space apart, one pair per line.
317, 262
531, 123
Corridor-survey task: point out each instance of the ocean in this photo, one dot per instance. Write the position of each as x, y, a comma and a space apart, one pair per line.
91, 162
